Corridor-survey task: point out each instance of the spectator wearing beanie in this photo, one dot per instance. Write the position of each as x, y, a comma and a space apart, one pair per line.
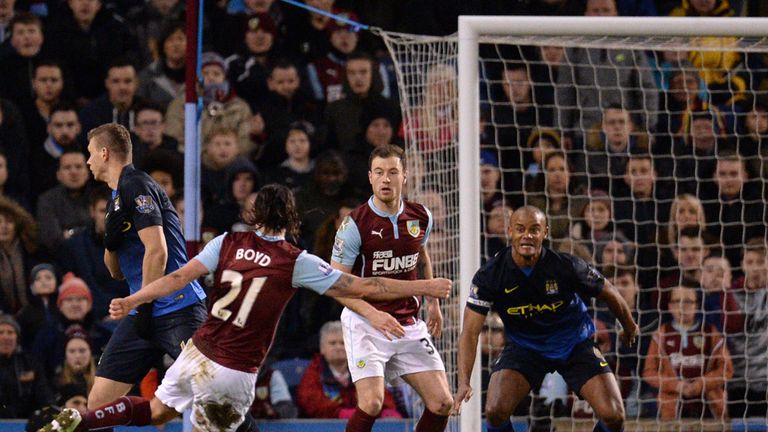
23, 383
249, 67
74, 304
41, 310
79, 366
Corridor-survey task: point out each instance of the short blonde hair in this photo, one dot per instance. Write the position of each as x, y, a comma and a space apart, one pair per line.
672, 229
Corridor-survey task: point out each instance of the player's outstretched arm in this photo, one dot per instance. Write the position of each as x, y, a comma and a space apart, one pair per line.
381, 321
166, 285
610, 295
470, 333
383, 289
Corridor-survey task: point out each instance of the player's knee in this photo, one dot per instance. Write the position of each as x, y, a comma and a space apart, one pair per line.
441, 406
613, 417
94, 401
371, 406
497, 412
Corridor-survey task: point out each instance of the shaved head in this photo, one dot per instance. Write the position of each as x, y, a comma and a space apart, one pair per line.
528, 229
529, 211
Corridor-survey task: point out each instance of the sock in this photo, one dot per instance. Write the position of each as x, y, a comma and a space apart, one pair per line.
248, 424
431, 422
601, 427
360, 421
125, 411
506, 427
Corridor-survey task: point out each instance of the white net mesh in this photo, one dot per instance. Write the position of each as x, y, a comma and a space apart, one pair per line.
426, 73
648, 155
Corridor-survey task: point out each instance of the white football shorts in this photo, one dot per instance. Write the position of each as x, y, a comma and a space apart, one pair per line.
220, 396
371, 354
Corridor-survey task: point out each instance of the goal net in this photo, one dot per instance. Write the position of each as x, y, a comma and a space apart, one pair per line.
645, 146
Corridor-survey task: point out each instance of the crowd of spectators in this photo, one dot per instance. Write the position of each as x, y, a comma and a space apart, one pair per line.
650, 164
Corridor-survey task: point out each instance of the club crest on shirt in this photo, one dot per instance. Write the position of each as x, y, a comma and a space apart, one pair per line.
361, 364
698, 341
551, 287
144, 204
413, 228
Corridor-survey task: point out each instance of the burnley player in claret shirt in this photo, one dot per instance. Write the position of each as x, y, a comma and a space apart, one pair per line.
387, 236
539, 295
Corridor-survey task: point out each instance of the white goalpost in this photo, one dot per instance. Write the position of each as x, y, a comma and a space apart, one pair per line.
451, 113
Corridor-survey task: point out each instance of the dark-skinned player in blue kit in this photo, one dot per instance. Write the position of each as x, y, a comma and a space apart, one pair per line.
540, 296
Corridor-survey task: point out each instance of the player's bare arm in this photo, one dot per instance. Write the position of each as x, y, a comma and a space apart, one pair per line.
155, 254
434, 314
383, 289
162, 287
381, 321
621, 310
470, 333
112, 262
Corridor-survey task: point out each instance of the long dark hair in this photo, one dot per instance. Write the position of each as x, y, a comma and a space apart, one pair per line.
275, 209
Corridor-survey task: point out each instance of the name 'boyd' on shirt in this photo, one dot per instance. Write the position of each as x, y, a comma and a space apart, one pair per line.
258, 258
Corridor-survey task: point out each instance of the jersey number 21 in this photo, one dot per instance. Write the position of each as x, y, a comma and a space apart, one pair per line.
235, 280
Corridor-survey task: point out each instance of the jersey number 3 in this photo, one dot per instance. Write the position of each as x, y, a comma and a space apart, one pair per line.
235, 280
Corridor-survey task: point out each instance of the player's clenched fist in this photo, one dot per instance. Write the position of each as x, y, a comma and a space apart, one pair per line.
119, 308
438, 288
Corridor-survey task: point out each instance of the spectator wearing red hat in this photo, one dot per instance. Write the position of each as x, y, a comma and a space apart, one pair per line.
222, 107
74, 304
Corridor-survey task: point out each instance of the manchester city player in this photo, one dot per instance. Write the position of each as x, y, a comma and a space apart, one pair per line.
144, 242
540, 296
